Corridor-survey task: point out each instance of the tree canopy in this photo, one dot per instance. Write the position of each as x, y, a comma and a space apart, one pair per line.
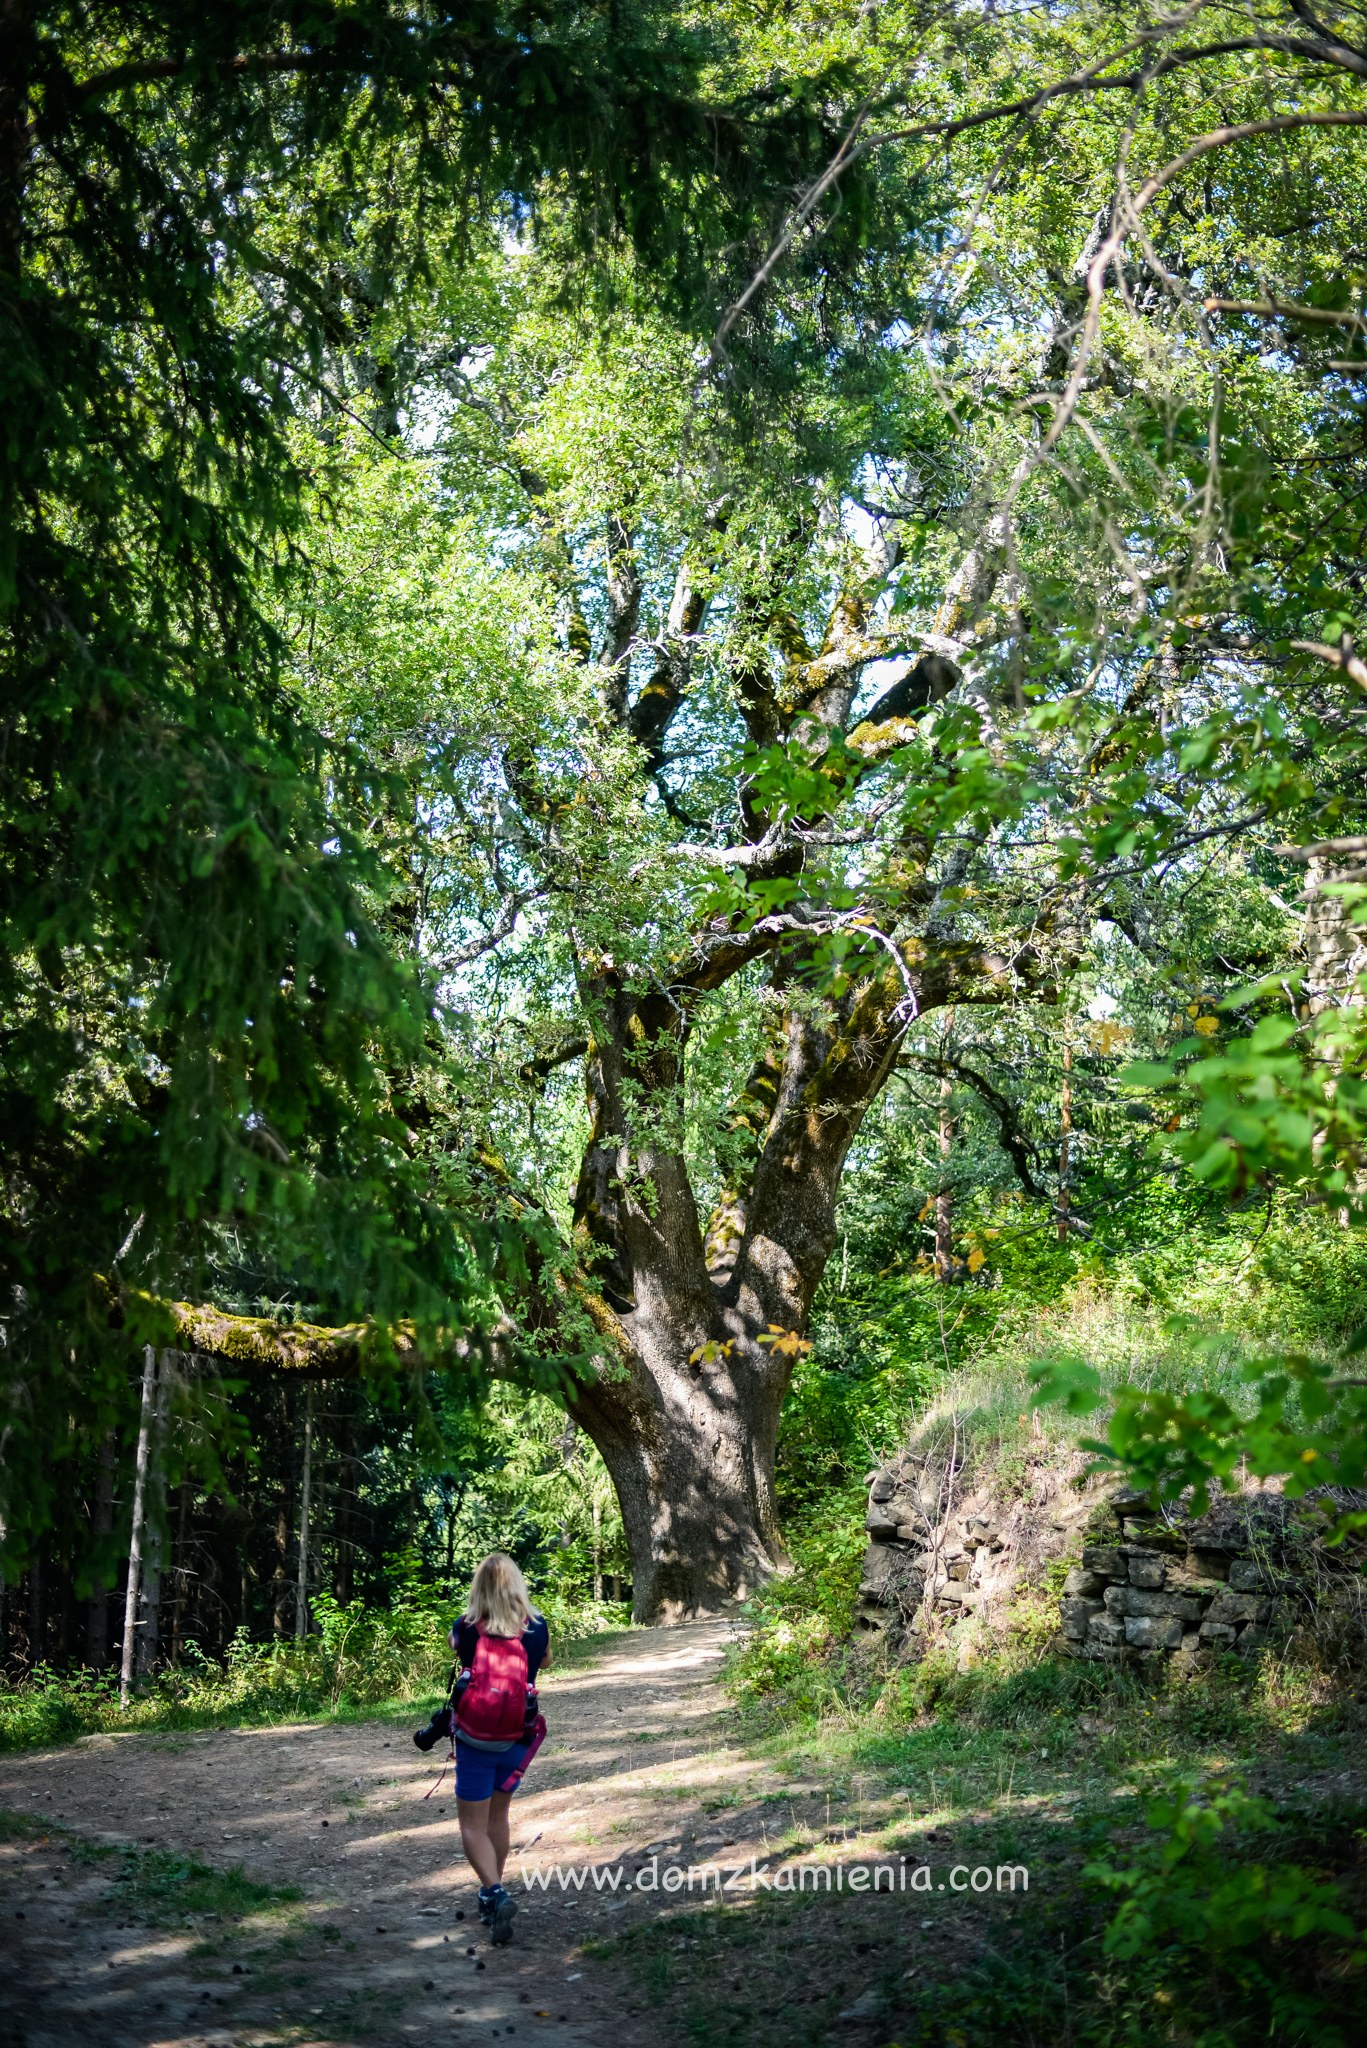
204, 1019
584, 596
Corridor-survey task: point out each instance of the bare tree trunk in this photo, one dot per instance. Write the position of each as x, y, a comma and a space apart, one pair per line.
301, 1588
135, 1539
284, 1516
180, 1571
345, 1501
944, 1200
597, 1549
149, 1596
1065, 1135
1335, 952
35, 1609
97, 1609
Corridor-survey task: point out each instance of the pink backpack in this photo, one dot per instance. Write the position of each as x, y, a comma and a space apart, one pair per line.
492, 1707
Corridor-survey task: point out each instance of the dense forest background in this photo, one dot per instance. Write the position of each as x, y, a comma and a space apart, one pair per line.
683, 789
672, 691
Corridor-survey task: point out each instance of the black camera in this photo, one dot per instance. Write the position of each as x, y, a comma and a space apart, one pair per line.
439, 1726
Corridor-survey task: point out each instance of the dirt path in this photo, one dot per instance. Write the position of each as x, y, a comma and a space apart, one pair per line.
383, 1945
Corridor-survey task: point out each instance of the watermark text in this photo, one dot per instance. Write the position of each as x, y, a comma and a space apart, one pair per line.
760, 1874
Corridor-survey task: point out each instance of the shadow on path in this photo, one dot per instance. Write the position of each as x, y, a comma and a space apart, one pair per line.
380, 1943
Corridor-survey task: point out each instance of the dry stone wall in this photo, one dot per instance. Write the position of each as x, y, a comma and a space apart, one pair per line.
1153, 1593
942, 1548
1185, 1591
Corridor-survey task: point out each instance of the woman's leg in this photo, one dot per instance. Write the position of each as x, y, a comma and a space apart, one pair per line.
480, 1853
498, 1828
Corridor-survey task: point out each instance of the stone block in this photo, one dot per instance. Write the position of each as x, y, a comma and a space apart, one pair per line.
1286, 1612
883, 1488
1191, 1588
913, 1532
1238, 1607
1147, 1569
959, 1567
1246, 1575
1106, 1629
1139, 1600
1106, 1561
879, 1562
1252, 1639
1220, 1634
880, 1523
1180, 1604
1083, 1585
1207, 1564
1076, 1616
1153, 1631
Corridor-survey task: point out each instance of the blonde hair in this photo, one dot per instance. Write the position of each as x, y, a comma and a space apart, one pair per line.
498, 1597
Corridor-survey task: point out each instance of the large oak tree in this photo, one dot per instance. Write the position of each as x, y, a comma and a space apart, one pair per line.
749, 719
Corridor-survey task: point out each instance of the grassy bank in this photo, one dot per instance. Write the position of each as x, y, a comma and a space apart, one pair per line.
1197, 1876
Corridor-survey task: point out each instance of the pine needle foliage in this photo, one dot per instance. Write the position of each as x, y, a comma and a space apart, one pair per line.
202, 1017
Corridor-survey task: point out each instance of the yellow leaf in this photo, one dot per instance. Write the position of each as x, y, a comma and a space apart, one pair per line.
926, 1208
1309, 1455
1108, 1037
1207, 1026
1193, 1009
976, 1258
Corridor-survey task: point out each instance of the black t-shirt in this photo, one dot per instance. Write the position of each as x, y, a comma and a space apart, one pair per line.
536, 1641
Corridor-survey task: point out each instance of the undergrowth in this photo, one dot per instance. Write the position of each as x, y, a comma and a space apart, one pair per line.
1200, 1850
359, 1662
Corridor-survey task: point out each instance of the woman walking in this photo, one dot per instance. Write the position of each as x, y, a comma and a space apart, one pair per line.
501, 1643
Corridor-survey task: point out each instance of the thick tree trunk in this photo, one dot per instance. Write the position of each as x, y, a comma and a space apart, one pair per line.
690, 1451
706, 1326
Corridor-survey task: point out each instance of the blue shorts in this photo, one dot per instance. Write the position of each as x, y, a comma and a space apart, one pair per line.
482, 1772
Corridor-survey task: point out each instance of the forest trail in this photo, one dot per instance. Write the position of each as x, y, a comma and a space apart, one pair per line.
383, 1945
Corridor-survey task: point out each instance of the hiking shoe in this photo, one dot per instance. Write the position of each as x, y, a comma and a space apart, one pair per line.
501, 1919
